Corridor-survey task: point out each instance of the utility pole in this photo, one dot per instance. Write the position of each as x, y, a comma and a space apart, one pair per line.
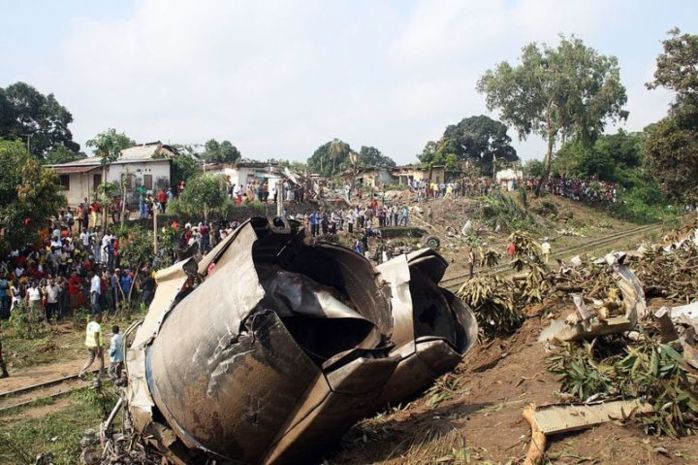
155, 228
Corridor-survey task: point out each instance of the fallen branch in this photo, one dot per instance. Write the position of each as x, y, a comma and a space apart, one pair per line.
536, 451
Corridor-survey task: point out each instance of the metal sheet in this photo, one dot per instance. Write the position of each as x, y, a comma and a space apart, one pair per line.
285, 345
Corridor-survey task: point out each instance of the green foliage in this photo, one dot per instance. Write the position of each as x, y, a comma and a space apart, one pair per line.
39, 120
672, 146
500, 212
109, 144
29, 195
477, 139
204, 194
220, 152
672, 151
579, 373
61, 154
58, 433
184, 166
643, 204
562, 91
647, 369
331, 158
533, 168
371, 156
677, 67
136, 246
615, 157
492, 299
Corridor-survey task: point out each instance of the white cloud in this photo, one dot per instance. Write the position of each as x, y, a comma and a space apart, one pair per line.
280, 78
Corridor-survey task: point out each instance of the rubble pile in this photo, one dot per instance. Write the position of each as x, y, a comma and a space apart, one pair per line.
610, 347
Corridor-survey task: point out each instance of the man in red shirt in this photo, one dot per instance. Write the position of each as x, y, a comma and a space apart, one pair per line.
162, 200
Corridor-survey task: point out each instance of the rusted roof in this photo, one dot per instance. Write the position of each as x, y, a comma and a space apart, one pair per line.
73, 169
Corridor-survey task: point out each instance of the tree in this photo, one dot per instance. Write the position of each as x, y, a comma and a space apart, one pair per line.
207, 192
36, 119
613, 157
555, 93
185, 164
534, 168
371, 156
480, 140
135, 248
60, 154
672, 144
330, 158
677, 67
223, 152
108, 146
29, 195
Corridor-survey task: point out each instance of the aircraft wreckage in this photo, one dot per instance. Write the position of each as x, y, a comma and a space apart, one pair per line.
271, 346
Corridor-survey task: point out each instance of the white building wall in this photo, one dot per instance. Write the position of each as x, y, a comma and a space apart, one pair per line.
82, 184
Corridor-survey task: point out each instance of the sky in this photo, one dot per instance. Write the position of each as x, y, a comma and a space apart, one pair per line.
280, 78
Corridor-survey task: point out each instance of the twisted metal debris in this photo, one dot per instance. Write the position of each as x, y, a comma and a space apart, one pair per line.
271, 346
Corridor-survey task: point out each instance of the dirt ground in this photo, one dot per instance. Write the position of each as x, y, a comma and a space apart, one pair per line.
479, 420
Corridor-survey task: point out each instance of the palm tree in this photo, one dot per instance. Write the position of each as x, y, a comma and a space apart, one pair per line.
337, 148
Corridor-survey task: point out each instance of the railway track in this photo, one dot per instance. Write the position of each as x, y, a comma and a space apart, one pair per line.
46, 390
453, 283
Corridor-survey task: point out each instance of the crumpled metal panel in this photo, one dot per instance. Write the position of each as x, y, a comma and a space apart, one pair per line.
276, 345
433, 328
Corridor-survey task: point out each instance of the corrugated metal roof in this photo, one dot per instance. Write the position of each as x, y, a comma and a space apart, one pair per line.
135, 154
73, 169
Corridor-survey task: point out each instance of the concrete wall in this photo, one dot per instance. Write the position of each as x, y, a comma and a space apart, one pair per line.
82, 184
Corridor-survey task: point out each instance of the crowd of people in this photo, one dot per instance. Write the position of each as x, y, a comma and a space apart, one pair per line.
583, 190
464, 187
65, 271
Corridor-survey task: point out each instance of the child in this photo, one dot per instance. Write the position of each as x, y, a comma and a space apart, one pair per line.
116, 355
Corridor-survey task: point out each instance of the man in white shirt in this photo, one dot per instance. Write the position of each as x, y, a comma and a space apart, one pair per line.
34, 301
95, 292
51, 291
85, 238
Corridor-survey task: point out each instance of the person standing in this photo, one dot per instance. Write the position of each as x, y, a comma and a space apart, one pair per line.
95, 293
162, 200
52, 290
93, 343
4, 298
34, 301
471, 263
116, 354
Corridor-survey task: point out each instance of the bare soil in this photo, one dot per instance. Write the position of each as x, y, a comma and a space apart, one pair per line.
480, 421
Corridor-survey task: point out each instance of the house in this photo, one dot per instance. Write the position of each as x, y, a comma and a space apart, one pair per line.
409, 173
246, 172
373, 177
146, 165
509, 178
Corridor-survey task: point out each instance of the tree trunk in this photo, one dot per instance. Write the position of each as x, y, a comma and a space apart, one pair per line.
123, 201
103, 198
548, 164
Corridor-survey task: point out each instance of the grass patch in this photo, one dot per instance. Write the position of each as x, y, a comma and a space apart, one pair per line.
58, 433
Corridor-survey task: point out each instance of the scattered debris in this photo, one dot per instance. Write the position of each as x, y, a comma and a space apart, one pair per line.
555, 419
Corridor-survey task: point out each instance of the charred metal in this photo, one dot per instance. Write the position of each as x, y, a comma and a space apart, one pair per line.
270, 347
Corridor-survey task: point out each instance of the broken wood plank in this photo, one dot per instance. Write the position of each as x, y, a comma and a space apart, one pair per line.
565, 418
